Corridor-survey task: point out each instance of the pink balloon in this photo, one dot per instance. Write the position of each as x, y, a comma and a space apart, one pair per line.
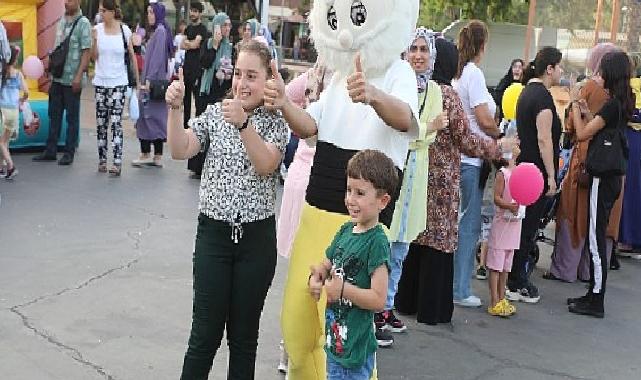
526, 184
32, 67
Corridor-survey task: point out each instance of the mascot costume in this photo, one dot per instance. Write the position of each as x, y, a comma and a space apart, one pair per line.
361, 41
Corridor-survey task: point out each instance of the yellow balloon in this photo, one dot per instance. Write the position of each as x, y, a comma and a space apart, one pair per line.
510, 97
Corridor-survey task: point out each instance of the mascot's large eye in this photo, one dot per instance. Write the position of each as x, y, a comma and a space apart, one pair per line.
358, 13
332, 20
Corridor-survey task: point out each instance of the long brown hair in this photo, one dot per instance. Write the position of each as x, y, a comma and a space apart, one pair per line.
471, 40
112, 5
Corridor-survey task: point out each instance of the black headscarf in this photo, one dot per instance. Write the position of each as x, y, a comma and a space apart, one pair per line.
446, 62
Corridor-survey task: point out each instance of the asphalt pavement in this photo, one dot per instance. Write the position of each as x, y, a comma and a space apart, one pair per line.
95, 283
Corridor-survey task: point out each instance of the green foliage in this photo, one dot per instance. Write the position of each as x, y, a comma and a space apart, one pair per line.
437, 14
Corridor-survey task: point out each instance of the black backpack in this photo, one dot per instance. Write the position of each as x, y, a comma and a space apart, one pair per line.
58, 56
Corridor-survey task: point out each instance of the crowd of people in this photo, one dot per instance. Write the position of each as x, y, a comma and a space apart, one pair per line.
387, 219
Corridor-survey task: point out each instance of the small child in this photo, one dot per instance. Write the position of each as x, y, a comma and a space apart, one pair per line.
355, 272
12, 82
504, 238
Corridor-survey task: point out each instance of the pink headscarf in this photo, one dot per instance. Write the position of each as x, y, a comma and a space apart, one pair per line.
596, 54
295, 90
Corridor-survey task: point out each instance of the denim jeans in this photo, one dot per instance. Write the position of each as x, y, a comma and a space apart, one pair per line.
469, 230
399, 252
336, 371
61, 99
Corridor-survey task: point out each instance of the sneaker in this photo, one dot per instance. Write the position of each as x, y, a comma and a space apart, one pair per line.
140, 162
392, 323
379, 320
481, 273
511, 309
11, 173
284, 359
498, 310
3, 172
583, 299
529, 294
384, 338
592, 309
471, 301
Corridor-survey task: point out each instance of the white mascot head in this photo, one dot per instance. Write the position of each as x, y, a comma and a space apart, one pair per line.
379, 29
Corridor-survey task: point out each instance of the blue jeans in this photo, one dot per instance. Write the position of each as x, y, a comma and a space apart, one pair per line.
469, 230
335, 371
61, 99
399, 252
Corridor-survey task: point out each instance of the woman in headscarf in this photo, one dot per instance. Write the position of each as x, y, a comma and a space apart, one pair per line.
252, 26
513, 75
569, 259
217, 60
151, 127
411, 208
426, 287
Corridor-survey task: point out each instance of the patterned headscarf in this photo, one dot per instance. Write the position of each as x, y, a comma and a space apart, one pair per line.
430, 38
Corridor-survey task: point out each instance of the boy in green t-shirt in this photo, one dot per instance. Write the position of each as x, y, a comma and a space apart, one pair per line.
355, 272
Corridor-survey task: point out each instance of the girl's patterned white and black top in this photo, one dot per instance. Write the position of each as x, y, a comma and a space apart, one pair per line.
230, 189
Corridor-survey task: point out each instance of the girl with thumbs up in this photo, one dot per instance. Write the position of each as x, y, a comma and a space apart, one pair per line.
235, 250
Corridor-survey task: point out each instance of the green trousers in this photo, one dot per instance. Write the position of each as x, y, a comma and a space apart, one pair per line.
231, 280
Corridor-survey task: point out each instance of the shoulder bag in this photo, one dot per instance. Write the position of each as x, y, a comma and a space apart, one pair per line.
131, 78
608, 151
58, 56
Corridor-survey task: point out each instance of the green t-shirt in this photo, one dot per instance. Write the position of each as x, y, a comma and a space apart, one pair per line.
80, 40
349, 330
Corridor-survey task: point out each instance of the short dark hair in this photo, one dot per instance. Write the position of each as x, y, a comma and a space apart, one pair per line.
196, 6
376, 168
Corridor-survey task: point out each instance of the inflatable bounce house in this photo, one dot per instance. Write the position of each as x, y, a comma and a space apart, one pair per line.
31, 24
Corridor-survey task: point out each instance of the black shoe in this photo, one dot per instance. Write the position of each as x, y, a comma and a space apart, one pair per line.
593, 308
384, 338
67, 159
614, 262
44, 156
583, 299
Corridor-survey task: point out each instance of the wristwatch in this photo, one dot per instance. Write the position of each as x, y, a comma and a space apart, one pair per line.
244, 126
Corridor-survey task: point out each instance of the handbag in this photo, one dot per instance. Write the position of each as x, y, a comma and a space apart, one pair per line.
58, 56
158, 89
131, 78
608, 151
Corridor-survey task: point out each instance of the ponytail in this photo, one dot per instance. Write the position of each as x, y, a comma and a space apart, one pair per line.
471, 41
547, 56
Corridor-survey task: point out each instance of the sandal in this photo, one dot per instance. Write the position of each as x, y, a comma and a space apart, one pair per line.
114, 171
102, 167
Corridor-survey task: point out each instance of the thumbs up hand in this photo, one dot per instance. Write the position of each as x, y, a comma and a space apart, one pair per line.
357, 87
275, 90
233, 111
176, 91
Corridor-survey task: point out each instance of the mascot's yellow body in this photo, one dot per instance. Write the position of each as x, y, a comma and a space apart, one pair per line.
380, 30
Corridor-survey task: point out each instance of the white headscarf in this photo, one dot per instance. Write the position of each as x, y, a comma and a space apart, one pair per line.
430, 38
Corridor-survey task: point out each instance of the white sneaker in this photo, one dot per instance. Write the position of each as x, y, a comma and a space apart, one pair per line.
471, 301
284, 359
140, 162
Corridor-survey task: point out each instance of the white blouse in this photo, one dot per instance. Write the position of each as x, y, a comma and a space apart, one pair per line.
110, 66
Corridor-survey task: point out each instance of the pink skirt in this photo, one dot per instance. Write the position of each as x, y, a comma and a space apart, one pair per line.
293, 197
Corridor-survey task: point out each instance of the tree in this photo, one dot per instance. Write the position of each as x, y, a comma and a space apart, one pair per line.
437, 14
633, 26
